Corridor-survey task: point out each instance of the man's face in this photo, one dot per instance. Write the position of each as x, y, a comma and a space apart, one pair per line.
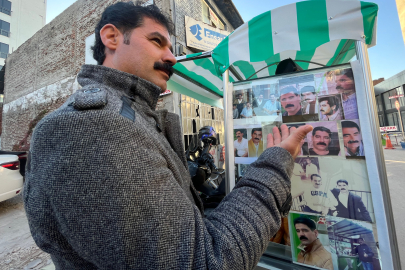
234, 107
343, 187
308, 96
148, 54
239, 135
305, 234
316, 182
344, 84
239, 96
248, 105
290, 102
361, 241
326, 109
257, 136
351, 138
321, 140
260, 97
272, 98
309, 161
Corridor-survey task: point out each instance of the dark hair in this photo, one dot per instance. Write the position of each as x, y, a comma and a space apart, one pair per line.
306, 221
289, 89
256, 129
360, 238
350, 124
332, 101
308, 89
342, 181
240, 130
126, 16
322, 129
348, 73
316, 175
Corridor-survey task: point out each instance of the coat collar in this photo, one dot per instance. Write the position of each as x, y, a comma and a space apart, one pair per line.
124, 82
311, 247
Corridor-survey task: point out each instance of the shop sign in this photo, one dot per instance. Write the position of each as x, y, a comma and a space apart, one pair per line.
214, 17
397, 96
201, 36
167, 92
390, 128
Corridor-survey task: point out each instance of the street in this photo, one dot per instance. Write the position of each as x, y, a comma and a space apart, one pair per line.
18, 250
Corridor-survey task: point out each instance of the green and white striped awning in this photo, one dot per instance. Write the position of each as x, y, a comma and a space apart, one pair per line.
314, 33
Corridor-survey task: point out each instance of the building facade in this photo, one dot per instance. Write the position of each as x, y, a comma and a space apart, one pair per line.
387, 113
41, 73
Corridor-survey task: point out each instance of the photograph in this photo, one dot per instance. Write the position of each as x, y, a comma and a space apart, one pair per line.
304, 142
267, 128
323, 140
240, 143
297, 98
352, 139
310, 242
266, 100
330, 108
340, 81
242, 101
353, 243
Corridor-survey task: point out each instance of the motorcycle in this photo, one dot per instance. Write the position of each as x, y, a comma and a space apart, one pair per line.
208, 180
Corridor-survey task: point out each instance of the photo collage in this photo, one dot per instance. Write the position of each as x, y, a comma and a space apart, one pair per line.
329, 184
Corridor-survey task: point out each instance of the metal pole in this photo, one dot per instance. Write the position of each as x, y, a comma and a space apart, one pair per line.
229, 155
390, 258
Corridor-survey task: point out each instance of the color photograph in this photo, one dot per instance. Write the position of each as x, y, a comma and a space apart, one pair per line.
352, 139
330, 108
323, 140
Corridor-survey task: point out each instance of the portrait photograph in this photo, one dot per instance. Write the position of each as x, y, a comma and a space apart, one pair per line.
352, 139
293, 105
323, 140
242, 101
310, 243
248, 143
348, 188
266, 98
330, 108
353, 243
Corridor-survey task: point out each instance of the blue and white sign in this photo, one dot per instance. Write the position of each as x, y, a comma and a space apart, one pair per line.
201, 36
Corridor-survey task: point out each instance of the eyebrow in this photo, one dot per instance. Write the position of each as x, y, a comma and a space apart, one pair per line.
159, 35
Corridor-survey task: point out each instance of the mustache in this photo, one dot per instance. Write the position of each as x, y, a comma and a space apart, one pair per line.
352, 142
303, 238
289, 105
339, 87
321, 143
256, 139
166, 67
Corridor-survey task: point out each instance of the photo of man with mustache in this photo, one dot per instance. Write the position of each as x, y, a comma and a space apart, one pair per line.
312, 252
256, 143
349, 205
309, 100
345, 86
291, 101
321, 140
330, 109
352, 139
240, 144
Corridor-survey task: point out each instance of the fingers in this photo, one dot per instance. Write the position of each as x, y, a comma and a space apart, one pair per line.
284, 132
276, 136
270, 141
299, 134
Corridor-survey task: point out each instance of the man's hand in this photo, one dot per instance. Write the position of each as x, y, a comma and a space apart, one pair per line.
289, 139
365, 255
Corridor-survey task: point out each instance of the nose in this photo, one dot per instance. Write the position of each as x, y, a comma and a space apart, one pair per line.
168, 57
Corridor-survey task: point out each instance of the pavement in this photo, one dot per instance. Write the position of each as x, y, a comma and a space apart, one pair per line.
18, 250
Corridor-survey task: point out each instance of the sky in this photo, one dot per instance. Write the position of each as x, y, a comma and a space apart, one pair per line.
387, 58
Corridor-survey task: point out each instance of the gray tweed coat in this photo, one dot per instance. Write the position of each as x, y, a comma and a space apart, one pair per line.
107, 187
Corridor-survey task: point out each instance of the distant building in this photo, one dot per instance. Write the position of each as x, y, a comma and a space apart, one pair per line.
375, 82
387, 113
41, 73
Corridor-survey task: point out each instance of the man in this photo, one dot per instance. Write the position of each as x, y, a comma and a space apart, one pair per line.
352, 139
290, 101
240, 103
272, 106
107, 184
311, 168
345, 86
365, 254
329, 108
315, 199
321, 139
258, 105
312, 251
247, 112
309, 99
349, 205
256, 143
240, 144
235, 112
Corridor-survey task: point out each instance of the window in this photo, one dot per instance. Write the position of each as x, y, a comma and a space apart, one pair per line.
3, 50
147, 3
5, 7
387, 101
4, 28
210, 18
379, 104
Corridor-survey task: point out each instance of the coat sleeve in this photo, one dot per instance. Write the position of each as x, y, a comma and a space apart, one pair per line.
363, 210
100, 197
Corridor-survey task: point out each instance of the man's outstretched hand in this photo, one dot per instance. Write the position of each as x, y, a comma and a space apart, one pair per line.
289, 139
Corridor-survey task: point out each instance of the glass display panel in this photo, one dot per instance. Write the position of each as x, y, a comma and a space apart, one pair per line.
330, 184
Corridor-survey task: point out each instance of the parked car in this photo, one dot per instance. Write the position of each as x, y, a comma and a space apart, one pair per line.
22, 157
11, 180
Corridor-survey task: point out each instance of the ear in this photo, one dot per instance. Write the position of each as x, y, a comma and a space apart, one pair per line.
316, 233
333, 107
110, 35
